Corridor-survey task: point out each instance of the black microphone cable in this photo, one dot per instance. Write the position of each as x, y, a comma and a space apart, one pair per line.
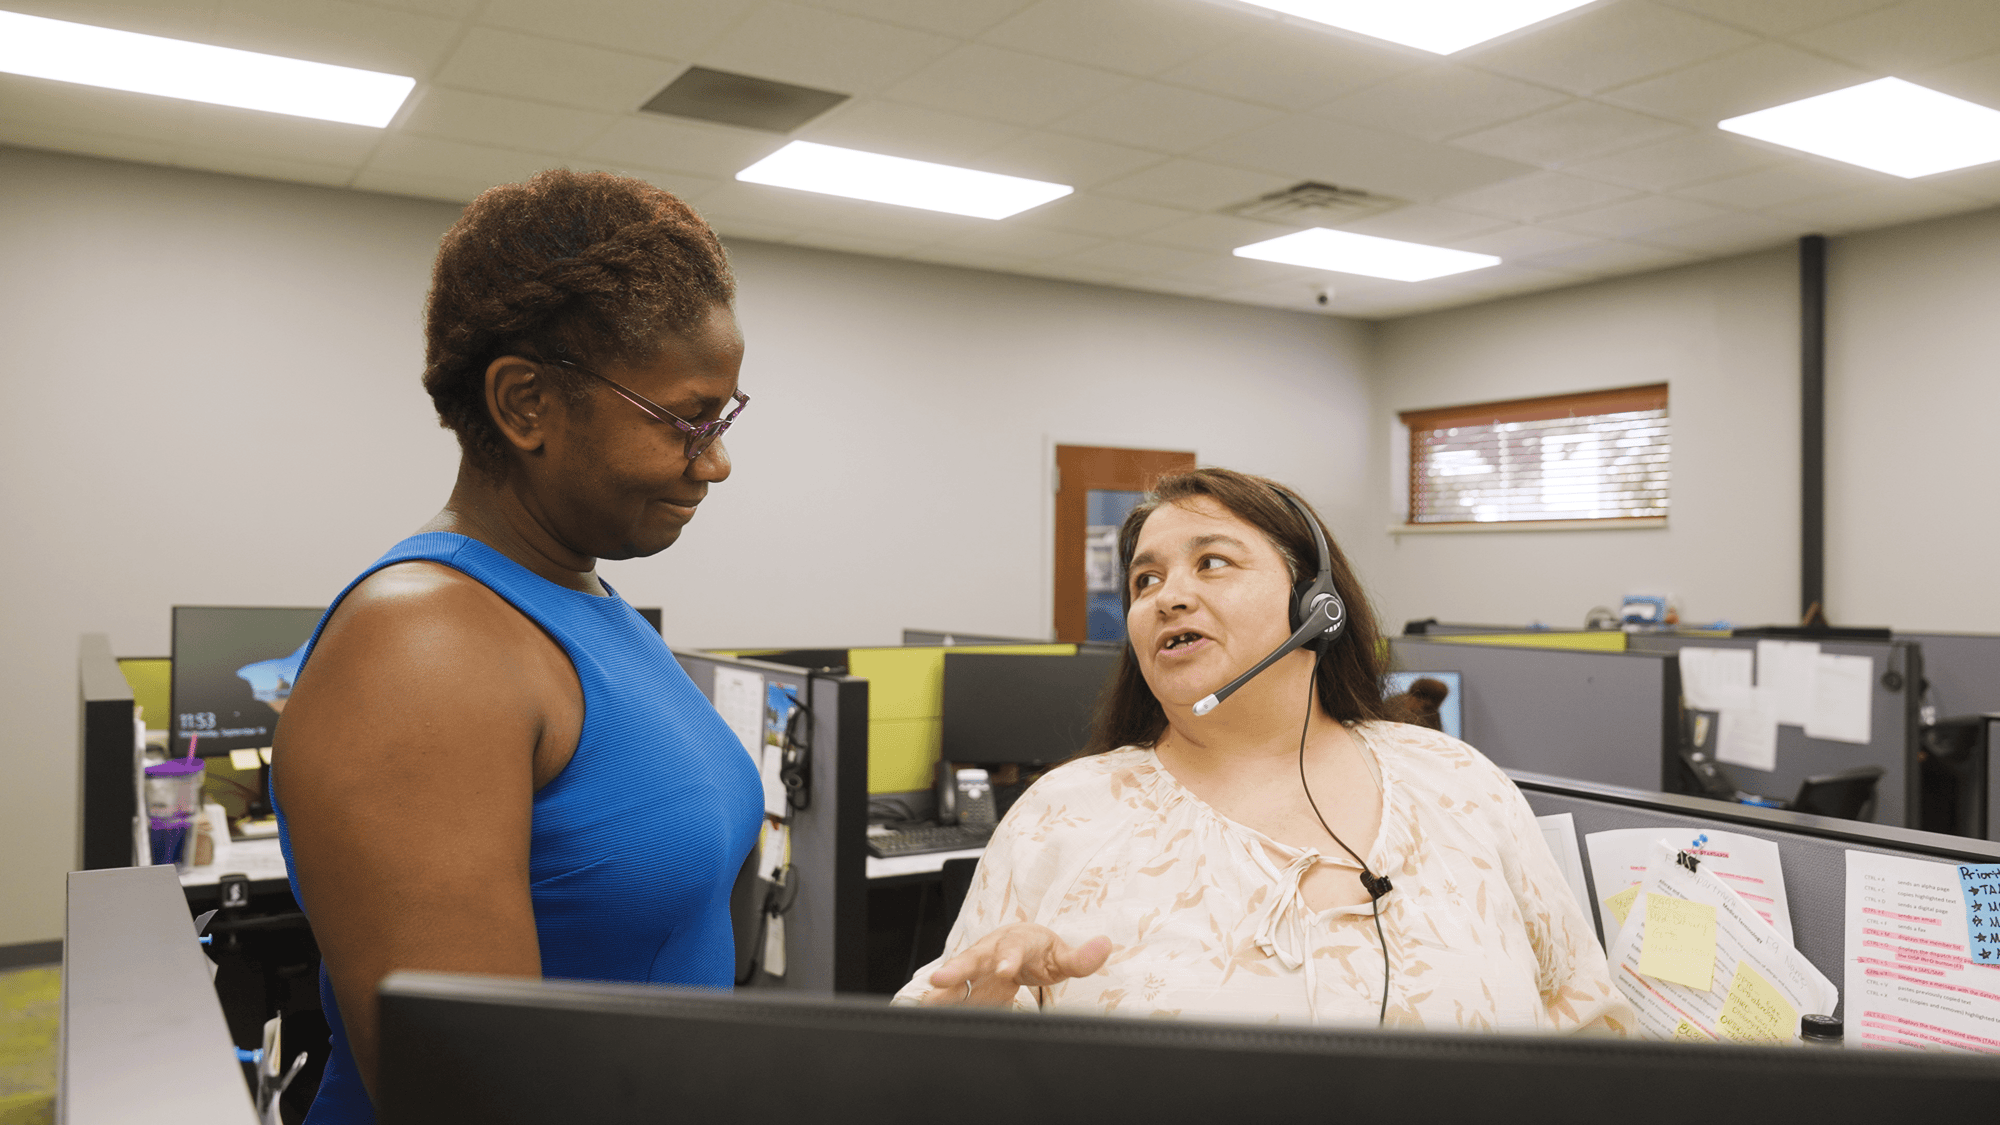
1375, 885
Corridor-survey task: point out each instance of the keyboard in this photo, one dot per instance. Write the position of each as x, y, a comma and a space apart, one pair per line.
930, 838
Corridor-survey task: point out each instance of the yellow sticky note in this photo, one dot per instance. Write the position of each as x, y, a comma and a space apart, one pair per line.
1687, 1032
1621, 903
1679, 942
1754, 1012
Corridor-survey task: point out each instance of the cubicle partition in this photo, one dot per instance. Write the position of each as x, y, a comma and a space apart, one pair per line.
1607, 717
1961, 672
1898, 669
108, 757
824, 900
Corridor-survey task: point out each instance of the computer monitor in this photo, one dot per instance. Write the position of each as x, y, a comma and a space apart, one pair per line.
1451, 712
525, 1052
233, 668
1004, 707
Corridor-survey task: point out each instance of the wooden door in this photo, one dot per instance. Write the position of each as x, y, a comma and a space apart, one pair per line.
1080, 471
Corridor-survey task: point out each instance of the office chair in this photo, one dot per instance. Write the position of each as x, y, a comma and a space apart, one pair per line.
1849, 794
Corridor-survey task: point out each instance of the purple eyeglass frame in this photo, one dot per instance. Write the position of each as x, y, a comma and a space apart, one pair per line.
696, 437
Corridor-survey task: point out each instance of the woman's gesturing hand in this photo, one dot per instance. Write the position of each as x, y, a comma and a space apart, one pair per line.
1010, 957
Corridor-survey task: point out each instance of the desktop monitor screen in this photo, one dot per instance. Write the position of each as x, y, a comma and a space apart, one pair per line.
232, 674
1451, 711
1001, 707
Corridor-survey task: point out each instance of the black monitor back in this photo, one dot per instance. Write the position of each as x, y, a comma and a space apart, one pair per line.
1005, 707
513, 1052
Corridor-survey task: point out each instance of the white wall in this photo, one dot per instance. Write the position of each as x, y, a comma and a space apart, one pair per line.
214, 400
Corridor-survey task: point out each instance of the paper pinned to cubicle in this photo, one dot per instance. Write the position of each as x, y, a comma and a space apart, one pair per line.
1787, 673
1754, 975
739, 699
1910, 977
1747, 737
1843, 699
1716, 679
1559, 833
1620, 860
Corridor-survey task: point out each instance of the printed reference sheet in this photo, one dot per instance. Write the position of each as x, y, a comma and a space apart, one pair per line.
1749, 865
1698, 963
1910, 979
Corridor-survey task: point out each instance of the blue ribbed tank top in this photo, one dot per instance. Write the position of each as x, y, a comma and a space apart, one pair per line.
636, 844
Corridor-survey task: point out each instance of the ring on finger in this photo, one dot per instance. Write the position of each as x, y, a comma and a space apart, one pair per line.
968, 992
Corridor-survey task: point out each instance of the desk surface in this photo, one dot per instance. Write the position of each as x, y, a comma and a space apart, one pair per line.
259, 859
905, 865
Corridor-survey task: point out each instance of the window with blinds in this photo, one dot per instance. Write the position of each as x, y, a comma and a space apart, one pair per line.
1596, 456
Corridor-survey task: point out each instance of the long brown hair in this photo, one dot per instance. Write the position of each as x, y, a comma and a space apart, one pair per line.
1348, 674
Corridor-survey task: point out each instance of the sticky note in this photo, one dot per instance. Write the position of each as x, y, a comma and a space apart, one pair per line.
1980, 885
1754, 1012
1621, 903
1689, 1033
1679, 942
244, 760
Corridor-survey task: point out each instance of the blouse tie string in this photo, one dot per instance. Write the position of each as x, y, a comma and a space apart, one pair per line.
1290, 899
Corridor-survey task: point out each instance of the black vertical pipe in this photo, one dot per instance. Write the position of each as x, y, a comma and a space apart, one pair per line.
1812, 427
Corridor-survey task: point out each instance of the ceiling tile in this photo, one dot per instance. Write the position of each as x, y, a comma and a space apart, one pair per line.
333, 31
1568, 134
65, 138
810, 211
1195, 185
1077, 161
502, 62
1517, 243
1685, 159
814, 47
731, 229
1912, 36
944, 254
452, 160
1533, 197
1160, 283
57, 106
1793, 180
1609, 45
1777, 17
668, 29
461, 115
1094, 214
854, 244
689, 189
1305, 146
1637, 216
1140, 37
649, 141
1505, 278
1433, 226
961, 19
1135, 257
450, 188
1164, 118
1975, 80
1243, 273
1981, 183
986, 81
193, 20
266, 167
1217, 234
1728, 234
1763, 76
908, 131
1288, 68
1015, 241
1867, 210
276, 137
1441, 100
1612, 257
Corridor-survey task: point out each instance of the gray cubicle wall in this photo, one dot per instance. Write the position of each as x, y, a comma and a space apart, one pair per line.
826, 926
1597, 716
1812, 849
1962, 669
107, 759
1892, 738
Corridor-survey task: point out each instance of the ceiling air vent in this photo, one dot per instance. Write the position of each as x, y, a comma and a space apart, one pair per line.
738, 99
1313, 204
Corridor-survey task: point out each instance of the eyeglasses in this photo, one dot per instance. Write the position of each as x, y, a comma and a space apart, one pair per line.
696, 437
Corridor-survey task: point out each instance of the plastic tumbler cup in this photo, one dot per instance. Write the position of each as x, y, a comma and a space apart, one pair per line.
173, 801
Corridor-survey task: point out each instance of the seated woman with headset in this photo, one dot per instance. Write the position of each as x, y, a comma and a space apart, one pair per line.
1249, 836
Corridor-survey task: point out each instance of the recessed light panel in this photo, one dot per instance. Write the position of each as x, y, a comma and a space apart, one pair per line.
906, 183
1889, 125
1438, 26
197, 72
1346, 252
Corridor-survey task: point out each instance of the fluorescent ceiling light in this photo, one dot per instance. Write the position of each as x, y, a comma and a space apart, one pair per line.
1889, 125
1345, 252
906, 183
197, 72
1437, 26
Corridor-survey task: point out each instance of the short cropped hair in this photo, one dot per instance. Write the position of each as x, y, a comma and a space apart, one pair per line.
588, 267
1348, 674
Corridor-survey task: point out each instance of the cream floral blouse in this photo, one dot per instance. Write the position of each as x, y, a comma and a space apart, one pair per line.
1206, 918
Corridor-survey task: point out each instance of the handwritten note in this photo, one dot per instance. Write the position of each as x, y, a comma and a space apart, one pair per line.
1621, 903
1689, 1033
1754, 1012
1679, 942
1981, 887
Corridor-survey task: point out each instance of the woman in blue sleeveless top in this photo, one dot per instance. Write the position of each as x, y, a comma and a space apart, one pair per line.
490, 763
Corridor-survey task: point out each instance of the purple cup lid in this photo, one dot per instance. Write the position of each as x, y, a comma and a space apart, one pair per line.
175, 767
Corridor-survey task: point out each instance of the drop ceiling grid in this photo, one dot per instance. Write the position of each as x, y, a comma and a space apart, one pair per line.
1582, 148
